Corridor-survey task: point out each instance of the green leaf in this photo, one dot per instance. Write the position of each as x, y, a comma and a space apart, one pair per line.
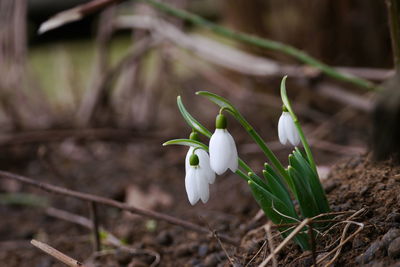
192, 122
278, 190
186, 142
268, 203
271, 171
301, 164
219, 100
303, 194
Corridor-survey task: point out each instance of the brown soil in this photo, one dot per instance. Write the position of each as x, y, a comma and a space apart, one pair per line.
352, 185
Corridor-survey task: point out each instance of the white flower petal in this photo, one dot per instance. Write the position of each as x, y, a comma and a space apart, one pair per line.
234, 160
202, 184
191, 186
281, 129
187, 163
220, 151
291, 131
204, 162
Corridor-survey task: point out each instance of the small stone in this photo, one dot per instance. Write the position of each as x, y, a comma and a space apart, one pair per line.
137, 263
196, 263
358, 242
324, 262
390, 235
211, 260
186, 249
305, 259
251, 247
202, 251
380, 187
394, 248
370, 253
164, 238
123, 256
330, 185
393, 217
364, 190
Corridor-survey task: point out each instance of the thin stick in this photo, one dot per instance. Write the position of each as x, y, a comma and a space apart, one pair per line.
271, 243
110, 238
361, 226
56, 254
220, 244
284, 242
95, 222
113, 203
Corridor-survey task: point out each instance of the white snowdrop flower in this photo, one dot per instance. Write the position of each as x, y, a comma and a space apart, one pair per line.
223, 152
287, 131
204, 160
196, 181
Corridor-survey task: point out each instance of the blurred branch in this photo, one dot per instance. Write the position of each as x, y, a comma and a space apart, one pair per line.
394, 22
102, 85
45, 136
112, 203
239, 61
91, 7
264, 43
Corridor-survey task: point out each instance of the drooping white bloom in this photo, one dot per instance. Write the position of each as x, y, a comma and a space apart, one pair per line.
287, 130
223, 152
204, 161
197, 182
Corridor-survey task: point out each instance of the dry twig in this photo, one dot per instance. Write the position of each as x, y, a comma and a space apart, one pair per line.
57, 254
112, 203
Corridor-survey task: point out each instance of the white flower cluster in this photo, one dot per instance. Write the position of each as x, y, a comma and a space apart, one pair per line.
223, 156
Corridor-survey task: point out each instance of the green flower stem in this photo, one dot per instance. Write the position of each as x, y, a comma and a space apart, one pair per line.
261, 143
305, 144
288, 106
264, 43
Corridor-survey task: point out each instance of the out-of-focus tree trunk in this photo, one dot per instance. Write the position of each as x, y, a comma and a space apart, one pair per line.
339, 32
21, 109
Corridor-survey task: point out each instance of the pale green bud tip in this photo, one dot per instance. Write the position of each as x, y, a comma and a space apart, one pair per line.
249, 182
194, 160
220, 122
194, 136
250, 174
284, 108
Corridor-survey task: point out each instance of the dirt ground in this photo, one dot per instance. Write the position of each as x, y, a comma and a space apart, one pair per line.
149, 177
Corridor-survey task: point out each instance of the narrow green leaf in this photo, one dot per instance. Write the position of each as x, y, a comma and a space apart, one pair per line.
219, 100
303, 194
192, 122
278, 178
301, 164
278, 190
186, 142
268, 203
255, 178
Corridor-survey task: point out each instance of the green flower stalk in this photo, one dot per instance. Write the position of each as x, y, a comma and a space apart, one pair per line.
279, 186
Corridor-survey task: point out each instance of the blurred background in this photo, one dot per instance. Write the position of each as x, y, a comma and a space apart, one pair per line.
88, 105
